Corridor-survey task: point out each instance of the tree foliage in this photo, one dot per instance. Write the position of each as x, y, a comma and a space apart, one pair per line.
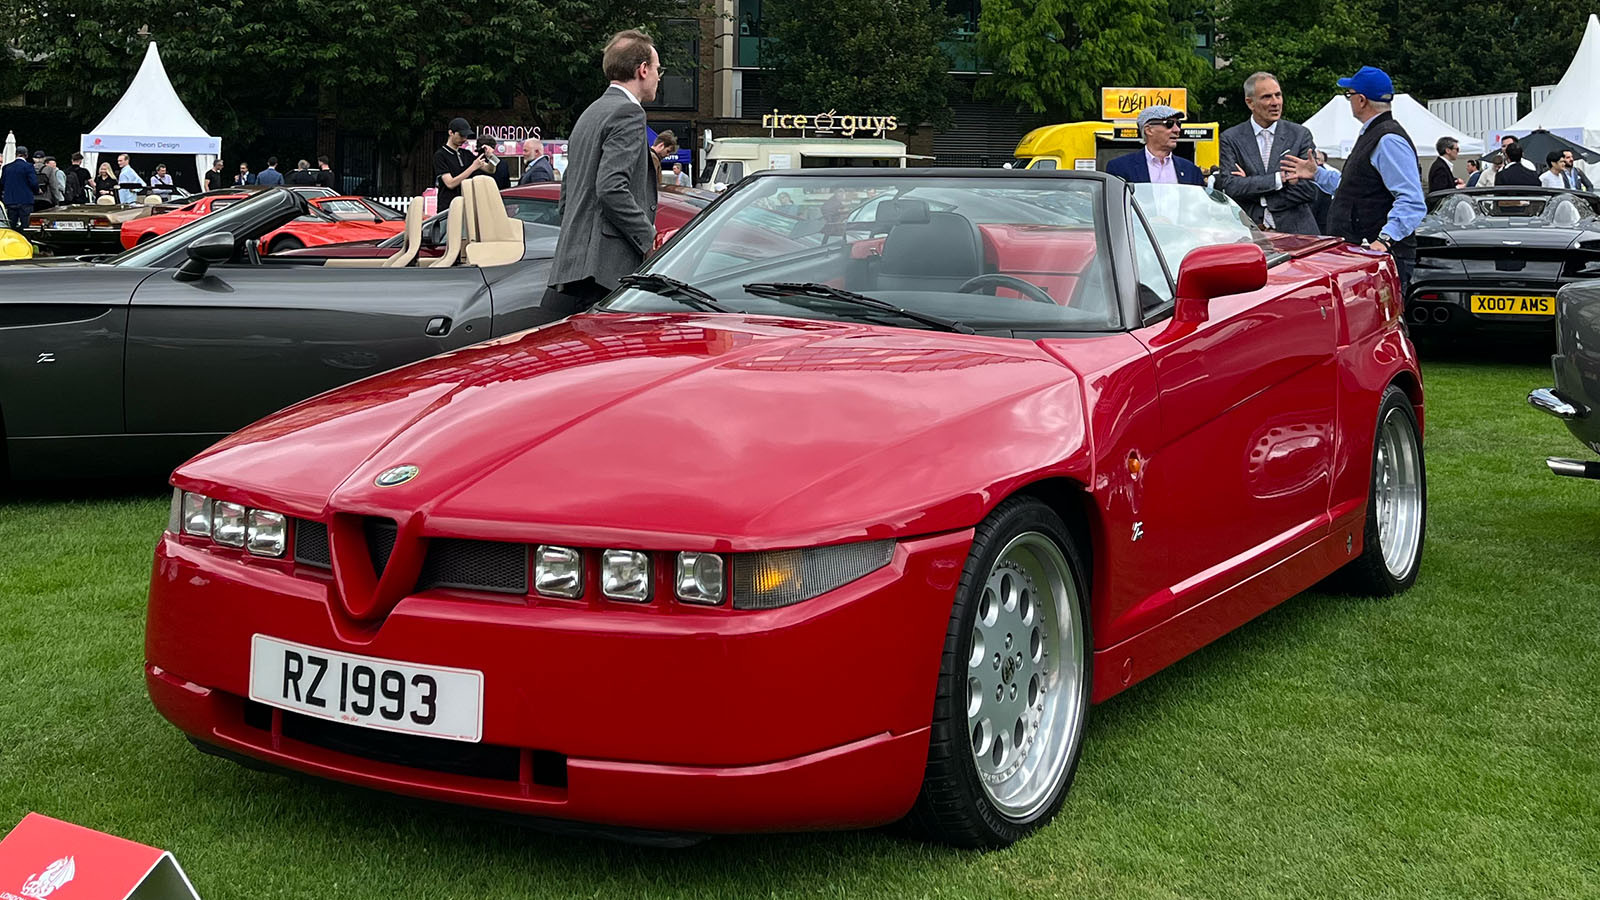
859, 56
1053, 56
382, 66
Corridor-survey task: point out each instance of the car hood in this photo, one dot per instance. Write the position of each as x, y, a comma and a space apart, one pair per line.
673, 430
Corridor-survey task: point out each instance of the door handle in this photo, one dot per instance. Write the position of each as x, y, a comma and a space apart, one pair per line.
438, 326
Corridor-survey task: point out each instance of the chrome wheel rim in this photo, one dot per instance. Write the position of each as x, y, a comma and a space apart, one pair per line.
1397, 492
1025, 676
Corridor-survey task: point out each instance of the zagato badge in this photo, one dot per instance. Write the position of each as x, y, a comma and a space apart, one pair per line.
396, 475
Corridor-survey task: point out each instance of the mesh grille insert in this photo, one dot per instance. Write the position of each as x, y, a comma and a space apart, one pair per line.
475, 566
433, 754
381, 535
311, 544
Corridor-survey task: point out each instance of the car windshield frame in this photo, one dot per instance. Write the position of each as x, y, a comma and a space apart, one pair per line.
1089, 205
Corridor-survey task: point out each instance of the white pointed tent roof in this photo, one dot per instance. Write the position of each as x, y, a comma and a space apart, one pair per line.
1335, 130
150, 118
1573, 104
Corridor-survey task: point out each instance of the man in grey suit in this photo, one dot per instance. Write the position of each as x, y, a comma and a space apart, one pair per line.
608, 193
1250, 152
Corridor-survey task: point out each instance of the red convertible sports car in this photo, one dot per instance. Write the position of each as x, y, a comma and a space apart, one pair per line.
823, 520
138, 231
334, 220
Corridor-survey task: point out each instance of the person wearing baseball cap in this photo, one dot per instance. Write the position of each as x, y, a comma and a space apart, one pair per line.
1377, 201
452, 164
1159, 130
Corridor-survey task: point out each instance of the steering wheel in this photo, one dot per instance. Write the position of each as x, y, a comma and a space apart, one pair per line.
996, 280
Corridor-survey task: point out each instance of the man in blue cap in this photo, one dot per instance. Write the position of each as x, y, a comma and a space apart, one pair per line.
1377, 202
1159, 130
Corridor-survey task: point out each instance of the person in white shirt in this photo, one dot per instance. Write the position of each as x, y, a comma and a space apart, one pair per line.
127, 180
162, 182
1555, 173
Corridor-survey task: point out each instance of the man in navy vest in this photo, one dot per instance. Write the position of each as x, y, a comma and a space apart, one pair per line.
1159, 129
1377, 202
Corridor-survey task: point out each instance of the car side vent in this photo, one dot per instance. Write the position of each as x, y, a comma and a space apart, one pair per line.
311, 544
475, 566
381, 535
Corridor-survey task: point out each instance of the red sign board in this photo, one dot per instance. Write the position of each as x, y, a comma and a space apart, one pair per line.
48, 859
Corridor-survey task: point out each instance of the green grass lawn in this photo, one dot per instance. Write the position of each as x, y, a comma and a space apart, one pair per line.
1439, 744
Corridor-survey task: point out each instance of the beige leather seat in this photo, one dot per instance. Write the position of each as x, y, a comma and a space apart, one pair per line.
107, 200
453, 228
413, 232
152, 200
498, 236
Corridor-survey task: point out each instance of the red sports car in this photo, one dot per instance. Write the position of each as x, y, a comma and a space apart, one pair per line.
148, 228
335, 220
820, 521
536, 203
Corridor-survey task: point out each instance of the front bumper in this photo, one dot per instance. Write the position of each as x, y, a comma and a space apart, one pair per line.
655, 717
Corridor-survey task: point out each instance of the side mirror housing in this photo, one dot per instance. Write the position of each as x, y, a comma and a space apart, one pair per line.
205, 252
1217, 271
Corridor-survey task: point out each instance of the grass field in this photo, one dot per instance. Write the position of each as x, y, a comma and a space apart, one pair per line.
1439, 744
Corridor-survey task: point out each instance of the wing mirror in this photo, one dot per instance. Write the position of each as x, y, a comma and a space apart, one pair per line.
1217, 271
205, 252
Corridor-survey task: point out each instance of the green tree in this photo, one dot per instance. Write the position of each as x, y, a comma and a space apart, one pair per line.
1053, 56
860, 56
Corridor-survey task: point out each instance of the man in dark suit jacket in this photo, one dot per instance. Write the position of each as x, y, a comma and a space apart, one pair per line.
608, 194
1159, 129
1255, 183
1441, 177
1515, 173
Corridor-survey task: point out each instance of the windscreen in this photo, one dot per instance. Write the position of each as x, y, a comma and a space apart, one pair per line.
990, 253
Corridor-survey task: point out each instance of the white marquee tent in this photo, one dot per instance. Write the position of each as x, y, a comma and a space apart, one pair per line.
1573, 104
1335, 130
151, 119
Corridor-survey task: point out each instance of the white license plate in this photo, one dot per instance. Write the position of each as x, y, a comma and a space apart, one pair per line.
68, 225
367, 691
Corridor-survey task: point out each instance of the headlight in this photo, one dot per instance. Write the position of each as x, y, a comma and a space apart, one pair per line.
700, 578
558, 572
266, 533
785, 577
196, 514
227, 523
625, 575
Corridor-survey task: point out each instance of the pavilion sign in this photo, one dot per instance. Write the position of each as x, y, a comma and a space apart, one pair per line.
831, 122
1125, 103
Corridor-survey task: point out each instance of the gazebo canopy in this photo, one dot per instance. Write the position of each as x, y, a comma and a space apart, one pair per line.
1573, 104
151, 119
1336, 130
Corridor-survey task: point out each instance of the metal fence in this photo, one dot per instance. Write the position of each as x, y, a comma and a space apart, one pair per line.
1480, 115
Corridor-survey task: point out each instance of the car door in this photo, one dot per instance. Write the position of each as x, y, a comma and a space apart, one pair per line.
1246, 401
208, 356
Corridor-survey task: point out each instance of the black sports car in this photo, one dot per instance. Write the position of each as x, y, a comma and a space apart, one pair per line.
1576, 364
130, 363
1494, 257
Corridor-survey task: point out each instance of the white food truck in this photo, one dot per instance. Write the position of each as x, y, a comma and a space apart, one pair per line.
730, 159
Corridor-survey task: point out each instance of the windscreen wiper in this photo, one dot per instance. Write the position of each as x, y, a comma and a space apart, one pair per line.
779, 289
673, 289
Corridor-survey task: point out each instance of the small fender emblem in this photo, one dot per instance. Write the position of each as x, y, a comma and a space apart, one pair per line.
1138, 530
45, 359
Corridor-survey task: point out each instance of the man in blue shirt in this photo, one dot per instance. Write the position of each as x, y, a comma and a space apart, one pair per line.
1377, 201
128, 181
18, 181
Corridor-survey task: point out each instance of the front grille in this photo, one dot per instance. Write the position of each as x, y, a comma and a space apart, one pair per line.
381, 535
311, 544
433, 754
475, 566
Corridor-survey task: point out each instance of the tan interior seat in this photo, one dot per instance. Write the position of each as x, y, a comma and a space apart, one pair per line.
453, 227
413, 232
107, 200
152, 200
498, 236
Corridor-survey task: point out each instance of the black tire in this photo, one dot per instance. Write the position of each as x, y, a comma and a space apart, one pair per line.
1372, 574
285, 244
954, 807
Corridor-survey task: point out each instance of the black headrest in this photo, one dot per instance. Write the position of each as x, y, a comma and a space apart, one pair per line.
895, 212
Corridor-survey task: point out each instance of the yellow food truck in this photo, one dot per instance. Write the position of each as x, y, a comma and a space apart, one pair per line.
1090, 145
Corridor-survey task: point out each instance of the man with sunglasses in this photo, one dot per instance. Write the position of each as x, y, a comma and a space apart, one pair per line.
1377, 200
1159, 129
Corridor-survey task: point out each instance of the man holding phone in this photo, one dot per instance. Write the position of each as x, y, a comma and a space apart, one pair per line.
453, 163
1249, 158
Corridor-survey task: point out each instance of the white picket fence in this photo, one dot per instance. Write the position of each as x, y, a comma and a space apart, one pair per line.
399, 203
